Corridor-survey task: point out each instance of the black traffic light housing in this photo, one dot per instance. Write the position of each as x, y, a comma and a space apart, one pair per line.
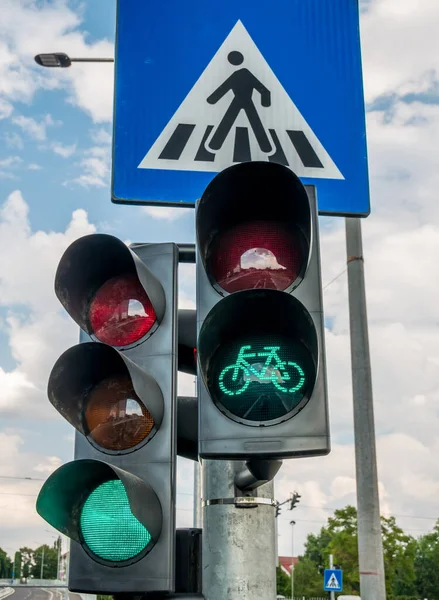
118, 389
261, 359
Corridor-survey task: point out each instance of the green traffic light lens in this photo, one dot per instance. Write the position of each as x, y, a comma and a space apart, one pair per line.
261, 378
108, 527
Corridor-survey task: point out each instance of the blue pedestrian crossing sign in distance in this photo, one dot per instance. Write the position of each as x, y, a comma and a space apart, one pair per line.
201, 86
333, 580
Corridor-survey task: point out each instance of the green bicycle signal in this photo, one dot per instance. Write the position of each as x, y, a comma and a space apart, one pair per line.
287, 377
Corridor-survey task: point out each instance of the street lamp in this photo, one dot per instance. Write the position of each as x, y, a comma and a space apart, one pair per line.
60, 59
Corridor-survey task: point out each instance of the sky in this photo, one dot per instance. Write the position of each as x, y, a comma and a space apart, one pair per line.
55, 168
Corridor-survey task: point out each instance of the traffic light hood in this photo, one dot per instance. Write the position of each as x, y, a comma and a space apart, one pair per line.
63, 495
252, 192
89, 263
83, 367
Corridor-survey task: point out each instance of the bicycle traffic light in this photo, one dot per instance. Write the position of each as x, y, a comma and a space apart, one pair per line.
262, 381
116, 500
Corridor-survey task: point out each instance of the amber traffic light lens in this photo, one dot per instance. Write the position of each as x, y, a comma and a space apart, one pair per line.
115, 416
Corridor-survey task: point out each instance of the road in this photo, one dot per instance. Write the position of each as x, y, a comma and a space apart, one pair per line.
38, 593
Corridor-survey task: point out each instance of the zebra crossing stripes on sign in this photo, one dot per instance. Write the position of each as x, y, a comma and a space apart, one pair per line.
238, 111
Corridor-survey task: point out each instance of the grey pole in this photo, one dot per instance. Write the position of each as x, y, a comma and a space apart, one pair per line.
292, 523
198, 521
238, 543
42, 564
331, 566
370, 548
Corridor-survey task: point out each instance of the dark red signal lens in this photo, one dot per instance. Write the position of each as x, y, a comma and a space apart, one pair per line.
257, 254
121, 312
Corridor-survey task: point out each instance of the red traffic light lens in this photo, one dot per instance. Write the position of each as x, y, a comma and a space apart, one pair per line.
115, 416
257, 254
121, 312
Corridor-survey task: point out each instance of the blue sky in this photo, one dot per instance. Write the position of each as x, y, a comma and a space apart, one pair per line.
55, 153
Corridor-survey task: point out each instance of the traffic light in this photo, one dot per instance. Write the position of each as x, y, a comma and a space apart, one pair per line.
261, 358
116, 500
294, 499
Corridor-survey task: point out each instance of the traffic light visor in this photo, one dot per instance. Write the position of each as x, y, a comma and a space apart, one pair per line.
109, 291
254, 228
106, 397
114, 515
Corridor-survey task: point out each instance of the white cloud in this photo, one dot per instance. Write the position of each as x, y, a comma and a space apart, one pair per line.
166, 213
95, 168
95, 164
28, 261
8, 165
406, 58
35, 129
63, 150
10, 161
34, 167
19, 522
27, 28
13, 140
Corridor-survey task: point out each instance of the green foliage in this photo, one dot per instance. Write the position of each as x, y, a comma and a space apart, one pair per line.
26, 561
426, 565
411, 566
399, 556
50, 562
283, 583
308, 581
5, 565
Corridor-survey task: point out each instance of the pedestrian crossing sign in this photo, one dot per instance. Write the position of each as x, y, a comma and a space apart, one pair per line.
197, 90
333, 580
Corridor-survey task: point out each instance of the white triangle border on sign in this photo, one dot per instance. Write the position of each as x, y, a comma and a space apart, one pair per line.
282, 116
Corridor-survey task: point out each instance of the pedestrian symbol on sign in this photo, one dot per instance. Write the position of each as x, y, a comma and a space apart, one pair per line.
238, 111
242, 83
333, 583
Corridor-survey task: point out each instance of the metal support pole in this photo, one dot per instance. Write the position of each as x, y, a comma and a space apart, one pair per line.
59, 559
238, 543
331, 566
370, 548
42, 564
292, 523
198, 515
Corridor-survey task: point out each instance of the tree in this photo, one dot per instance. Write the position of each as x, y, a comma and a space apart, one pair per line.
5, 565
339, 538
308, 581
342, 530
427, 565
17, 565
283, 583
27, 559
316, 548
50, 562
399, 559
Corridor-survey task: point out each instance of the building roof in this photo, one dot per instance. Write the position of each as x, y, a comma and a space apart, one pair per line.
285, 563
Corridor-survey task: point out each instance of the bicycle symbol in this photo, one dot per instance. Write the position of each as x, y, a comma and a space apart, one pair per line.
273, 370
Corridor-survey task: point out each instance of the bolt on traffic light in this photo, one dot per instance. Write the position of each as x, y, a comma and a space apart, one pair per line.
261, 359
116, 501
